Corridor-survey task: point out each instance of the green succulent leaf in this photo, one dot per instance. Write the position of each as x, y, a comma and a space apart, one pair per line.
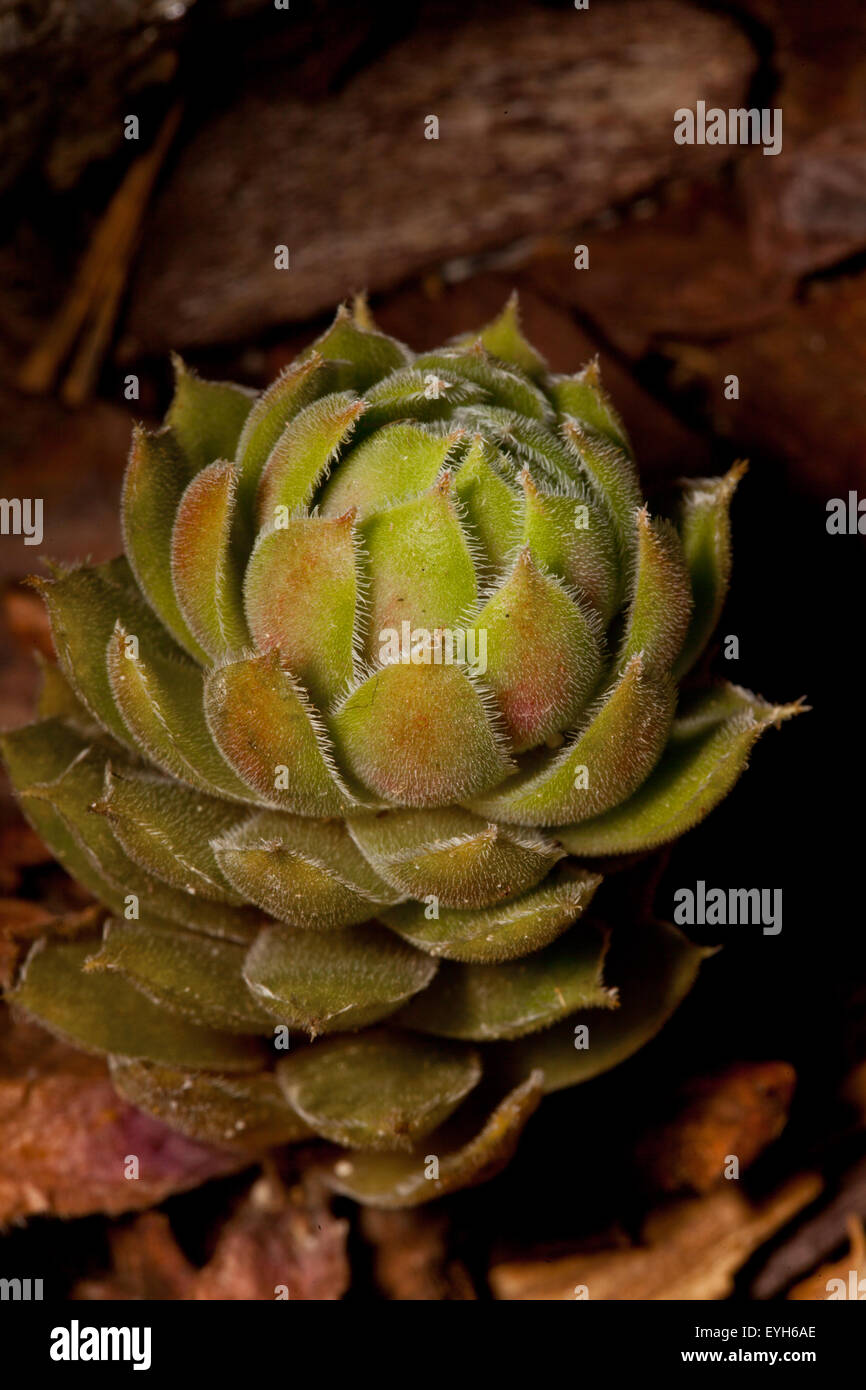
382, 1089
302, 456
368, 354
583, 400
195, 976
661, 603
231, 1111
394, 465
504, 338
206, 417
483, 1002
334, 982
489, 506
304, 872
507, 932
466, 1153
265, 728
705, 531
461, 859
655, 966
206, 567
102, 1012
698, 769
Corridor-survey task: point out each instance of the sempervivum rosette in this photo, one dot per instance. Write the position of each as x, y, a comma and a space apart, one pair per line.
394, 647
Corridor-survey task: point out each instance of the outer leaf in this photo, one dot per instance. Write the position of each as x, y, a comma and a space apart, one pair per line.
482, 1002
661, 603
304, 872
369, 354
582, 398
195, 976
102, 1013
696, 772
304, 452
705, 529
206, 417
506, 932
467, 1155
461, 859
504, 338
655, 966
380, 1090
161, 701
300, 384
235, 1112
334, 982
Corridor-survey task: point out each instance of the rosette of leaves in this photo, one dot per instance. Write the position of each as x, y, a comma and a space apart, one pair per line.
394, 654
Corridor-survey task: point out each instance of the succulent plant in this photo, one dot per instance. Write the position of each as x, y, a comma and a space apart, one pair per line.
393, 658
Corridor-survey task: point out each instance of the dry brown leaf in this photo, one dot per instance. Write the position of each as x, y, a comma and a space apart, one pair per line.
737, 1112
691, 1250
412, 1260
280, 1243
65, 1137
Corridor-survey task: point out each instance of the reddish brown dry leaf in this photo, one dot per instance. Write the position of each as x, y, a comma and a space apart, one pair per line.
737, 1112
280, 1243
850, 1270
691, 1250
65, 1137
412, 1260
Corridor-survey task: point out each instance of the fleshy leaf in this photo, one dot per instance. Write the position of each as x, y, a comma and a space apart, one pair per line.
267, 731
337, 981
608, 760
207, 570
195, 976
543, 654
206, 417
156, 476
504, 338
101, 1012
504, 385
419, 569
166, 829
463, 860
398, 462
491, 509
705, 531
661, 603
468, 1153
696, 772
84, 605
573, 540
654, 966
111, 874
483, 1002
300, 594
420, 395
613, 476
304, 872
369, 354
419, 736
161, 700
304, 452
583, 399
232, 1111
301, 383
507, 932
380, 1090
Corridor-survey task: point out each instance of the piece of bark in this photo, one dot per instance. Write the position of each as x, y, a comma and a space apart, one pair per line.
802, 386
737, 1112
691, 1250
412, 1259
569, 113
65, 1136
677, 267
280, 1243
824, 1284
